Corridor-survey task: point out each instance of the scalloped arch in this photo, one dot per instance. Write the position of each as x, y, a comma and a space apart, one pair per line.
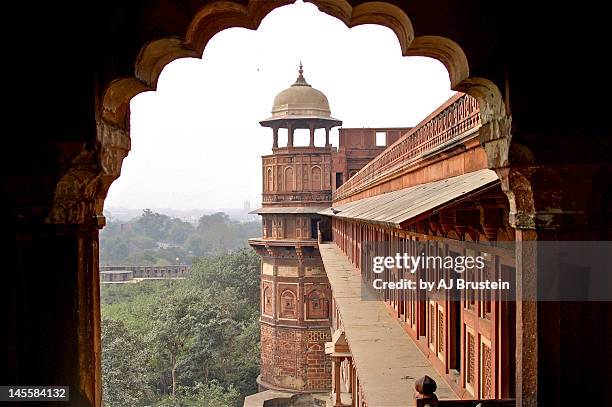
223, 14
448, 52
114, 117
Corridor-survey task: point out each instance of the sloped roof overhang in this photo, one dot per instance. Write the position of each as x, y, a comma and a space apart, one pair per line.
397, 208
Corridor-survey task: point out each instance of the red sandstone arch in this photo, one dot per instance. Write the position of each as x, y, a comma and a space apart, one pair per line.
288, 304
316, 178
267, 306
270, 180
288, 179
80, 193
219, 15
223, 14
317, 305
88, 177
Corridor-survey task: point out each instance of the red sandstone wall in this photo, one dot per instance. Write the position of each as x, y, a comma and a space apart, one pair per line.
295, 358
473, 158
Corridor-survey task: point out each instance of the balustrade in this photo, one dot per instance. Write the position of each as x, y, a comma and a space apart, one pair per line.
297, 197
460, 116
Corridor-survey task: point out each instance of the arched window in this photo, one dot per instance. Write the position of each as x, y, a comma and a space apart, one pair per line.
270, 180
267, 301
288, 305
317, 306
289, 184
316, 179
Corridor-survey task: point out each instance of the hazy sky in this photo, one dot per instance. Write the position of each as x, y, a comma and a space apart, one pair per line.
197, 142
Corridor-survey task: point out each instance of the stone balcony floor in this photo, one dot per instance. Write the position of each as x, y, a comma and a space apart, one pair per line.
386, 358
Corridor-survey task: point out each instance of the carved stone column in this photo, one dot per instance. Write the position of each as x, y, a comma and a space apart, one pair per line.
555, 203
337, 387
350, 374
290, 136
275, 137
312, 136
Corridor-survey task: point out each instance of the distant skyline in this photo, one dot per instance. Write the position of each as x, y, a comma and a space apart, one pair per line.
197, 142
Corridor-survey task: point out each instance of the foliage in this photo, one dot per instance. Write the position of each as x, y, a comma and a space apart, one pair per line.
124, 365
157, 239
202, 395
200, 336
240, 270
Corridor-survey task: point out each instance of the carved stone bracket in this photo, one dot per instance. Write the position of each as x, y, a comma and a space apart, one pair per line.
80, 193
546, 197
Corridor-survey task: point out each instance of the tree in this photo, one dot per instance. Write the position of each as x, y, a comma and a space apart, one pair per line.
206, 222
179, 231
211, 394
202, 333
239, 269
124, 366
153, 224
171, 329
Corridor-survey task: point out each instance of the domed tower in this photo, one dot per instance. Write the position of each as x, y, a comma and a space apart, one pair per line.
295, 294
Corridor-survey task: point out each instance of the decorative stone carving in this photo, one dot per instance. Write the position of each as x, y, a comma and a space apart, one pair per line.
80, 192
288, 306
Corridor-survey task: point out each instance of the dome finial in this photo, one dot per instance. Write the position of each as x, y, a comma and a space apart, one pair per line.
300, 81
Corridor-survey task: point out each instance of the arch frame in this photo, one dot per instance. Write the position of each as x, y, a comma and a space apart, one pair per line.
82, 188
219, 15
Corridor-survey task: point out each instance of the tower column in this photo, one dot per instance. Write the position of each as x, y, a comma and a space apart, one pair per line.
290, 135
312, 134
327, 137
275, 137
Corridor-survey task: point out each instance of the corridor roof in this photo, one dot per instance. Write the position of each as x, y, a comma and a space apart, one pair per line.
396, 207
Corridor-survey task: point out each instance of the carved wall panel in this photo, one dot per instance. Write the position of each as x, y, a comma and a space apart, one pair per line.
288, 304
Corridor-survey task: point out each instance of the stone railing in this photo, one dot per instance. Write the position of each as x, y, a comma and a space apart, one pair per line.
456, 118
288, 197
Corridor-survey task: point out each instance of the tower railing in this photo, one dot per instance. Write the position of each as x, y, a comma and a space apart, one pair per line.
458, 117
297, 197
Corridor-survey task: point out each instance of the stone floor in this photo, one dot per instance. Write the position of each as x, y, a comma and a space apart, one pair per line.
387, 360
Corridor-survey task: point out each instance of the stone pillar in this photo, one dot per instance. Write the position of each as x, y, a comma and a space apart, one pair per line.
556, 340
327, 137
312, 136
526, 320
54, 306
275, 137
354, 388
290, 136
337, 388
350, 374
